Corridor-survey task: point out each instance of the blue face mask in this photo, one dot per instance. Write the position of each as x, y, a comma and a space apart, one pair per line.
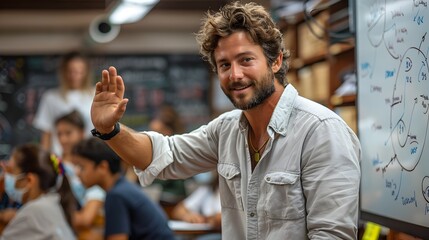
78, 190
204, 178
76, 185
11, 190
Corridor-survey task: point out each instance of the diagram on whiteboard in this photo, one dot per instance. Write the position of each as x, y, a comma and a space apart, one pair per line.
410, 102
409, 113
393, 104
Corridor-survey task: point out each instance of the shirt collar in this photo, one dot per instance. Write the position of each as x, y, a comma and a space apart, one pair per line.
281, 115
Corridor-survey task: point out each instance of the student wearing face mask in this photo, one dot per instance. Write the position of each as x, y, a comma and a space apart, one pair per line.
70, 129
36, 179
8, 206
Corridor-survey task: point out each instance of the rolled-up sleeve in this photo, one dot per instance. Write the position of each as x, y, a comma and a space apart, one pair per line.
180, 156
162, 157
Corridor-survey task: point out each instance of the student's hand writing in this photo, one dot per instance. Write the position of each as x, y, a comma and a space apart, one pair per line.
109, 104
194, 218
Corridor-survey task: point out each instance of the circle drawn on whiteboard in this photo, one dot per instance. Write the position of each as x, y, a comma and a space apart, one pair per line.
425, 188
409, 118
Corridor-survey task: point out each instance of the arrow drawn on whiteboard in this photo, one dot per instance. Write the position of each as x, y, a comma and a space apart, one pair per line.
421, 42
400, 184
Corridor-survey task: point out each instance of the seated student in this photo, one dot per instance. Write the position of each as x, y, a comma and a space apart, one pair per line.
129, 214
167, 121
8, 210
203, 205
70, 131
8, 206
36, 179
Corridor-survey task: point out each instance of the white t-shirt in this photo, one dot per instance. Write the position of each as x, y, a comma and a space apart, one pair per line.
53, 105
41, 218
204, 201
94, 193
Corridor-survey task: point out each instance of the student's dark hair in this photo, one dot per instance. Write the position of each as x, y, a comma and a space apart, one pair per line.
97, 151
250, 18
74, 118
31, 158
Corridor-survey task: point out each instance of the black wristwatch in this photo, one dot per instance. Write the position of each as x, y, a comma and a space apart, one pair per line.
109, 135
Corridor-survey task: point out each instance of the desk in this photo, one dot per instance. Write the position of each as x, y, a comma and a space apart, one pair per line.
191, 230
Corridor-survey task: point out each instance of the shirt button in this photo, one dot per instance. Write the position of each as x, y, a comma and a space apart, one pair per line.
252, 214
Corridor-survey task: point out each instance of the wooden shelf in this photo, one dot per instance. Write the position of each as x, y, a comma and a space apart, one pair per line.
348, 100
318, 59
335, 49
298, 63
338, 48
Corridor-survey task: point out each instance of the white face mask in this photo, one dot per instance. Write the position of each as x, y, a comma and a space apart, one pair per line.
11, 190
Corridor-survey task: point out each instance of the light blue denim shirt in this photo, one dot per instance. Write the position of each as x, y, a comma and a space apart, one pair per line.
305, 186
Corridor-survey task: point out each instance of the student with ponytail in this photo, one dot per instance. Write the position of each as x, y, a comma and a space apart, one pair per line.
36, 179
70, 129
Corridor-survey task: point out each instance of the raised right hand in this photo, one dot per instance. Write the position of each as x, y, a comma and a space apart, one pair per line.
109, 104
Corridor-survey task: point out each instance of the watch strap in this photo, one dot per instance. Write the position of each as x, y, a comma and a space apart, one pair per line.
109, 135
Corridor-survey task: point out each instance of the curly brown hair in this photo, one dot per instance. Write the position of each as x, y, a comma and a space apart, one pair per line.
251, 18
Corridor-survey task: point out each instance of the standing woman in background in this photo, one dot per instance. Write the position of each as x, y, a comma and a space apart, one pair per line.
36, 179
74, 92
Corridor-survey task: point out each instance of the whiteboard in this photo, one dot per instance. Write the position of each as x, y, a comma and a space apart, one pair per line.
392, 47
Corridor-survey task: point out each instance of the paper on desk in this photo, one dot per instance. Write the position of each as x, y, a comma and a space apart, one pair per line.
185, 226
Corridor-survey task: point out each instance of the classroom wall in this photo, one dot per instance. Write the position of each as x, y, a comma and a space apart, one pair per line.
24, 32
47, 32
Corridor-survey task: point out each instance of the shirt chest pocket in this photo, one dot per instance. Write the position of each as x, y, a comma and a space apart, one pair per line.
282, 196
230, 186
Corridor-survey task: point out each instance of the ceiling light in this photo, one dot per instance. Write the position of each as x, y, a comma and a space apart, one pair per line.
129, 11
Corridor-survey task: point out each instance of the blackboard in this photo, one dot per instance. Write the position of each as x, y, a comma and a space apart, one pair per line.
182, 80
393, 112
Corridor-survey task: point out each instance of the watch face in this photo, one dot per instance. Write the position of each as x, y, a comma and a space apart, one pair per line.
95, 133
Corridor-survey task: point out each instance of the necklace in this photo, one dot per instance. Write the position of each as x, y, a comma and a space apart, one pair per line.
256, 155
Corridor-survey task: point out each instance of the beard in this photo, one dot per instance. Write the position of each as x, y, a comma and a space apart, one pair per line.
264, 87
